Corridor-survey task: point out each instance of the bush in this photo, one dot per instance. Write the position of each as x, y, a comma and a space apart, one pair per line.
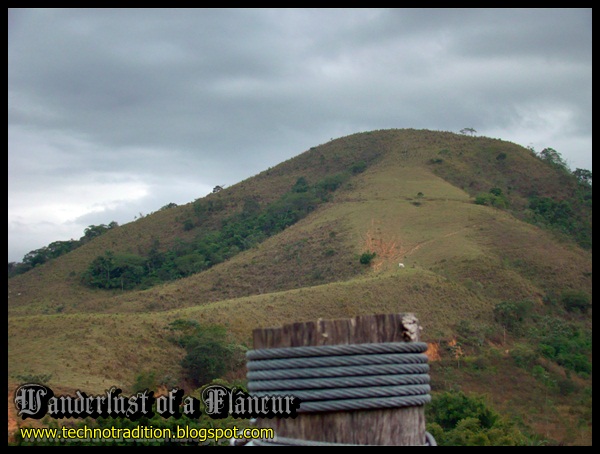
449, 408
566, 344
210, 354
330, 183
524, 355
358, 167
512, 314
457, 419
124, 271
40, 379
143, 381
367, 257
493, 198
574, 300
301, 185
566, 387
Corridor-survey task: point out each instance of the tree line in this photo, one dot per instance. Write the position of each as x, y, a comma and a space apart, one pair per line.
56, 249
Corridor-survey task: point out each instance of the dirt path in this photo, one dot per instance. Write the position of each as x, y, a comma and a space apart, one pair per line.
423, 243
389, 249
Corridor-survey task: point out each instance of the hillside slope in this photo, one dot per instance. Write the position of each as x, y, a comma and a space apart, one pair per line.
412, 204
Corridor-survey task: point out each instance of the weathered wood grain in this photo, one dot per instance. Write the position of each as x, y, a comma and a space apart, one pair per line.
394, 426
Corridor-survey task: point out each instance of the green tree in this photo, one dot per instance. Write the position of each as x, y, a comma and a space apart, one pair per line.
553, 157
469, 131
449, 408
251, 207
512, 314
124, 271
209, 352
457, 419
93, 231
301, 185
494, 198
584, 176
190, 264
98, 273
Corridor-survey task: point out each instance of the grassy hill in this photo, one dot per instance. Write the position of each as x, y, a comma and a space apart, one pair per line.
409, 198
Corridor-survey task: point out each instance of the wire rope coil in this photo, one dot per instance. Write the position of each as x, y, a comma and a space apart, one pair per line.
346, 377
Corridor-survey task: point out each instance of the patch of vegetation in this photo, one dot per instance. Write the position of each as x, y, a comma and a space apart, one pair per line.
494, 198
546, 336
576, 301
358, 167
511, 314
537, 187
570, 215
367, 257
564, 343
565, 216
143, 381
40, 379
168, 206
210, 352
109, 271
56, 249
458, 419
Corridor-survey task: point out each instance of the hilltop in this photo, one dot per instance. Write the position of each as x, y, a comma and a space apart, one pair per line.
401, 196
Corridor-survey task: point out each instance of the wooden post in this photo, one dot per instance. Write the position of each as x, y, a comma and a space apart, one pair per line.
390, 426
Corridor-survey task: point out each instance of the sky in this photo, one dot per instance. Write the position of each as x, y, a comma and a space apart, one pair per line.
114, 113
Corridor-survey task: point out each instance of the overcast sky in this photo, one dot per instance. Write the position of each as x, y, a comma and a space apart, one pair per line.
112, 113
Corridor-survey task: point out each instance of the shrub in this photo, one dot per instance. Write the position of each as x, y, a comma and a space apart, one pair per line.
511, 314
41, 379
493, 198
457, 419
358, 167
524, 355
301, 185
143, 381
210, 354
367, 257
450, 407
566, 387
566, 344
574, 300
